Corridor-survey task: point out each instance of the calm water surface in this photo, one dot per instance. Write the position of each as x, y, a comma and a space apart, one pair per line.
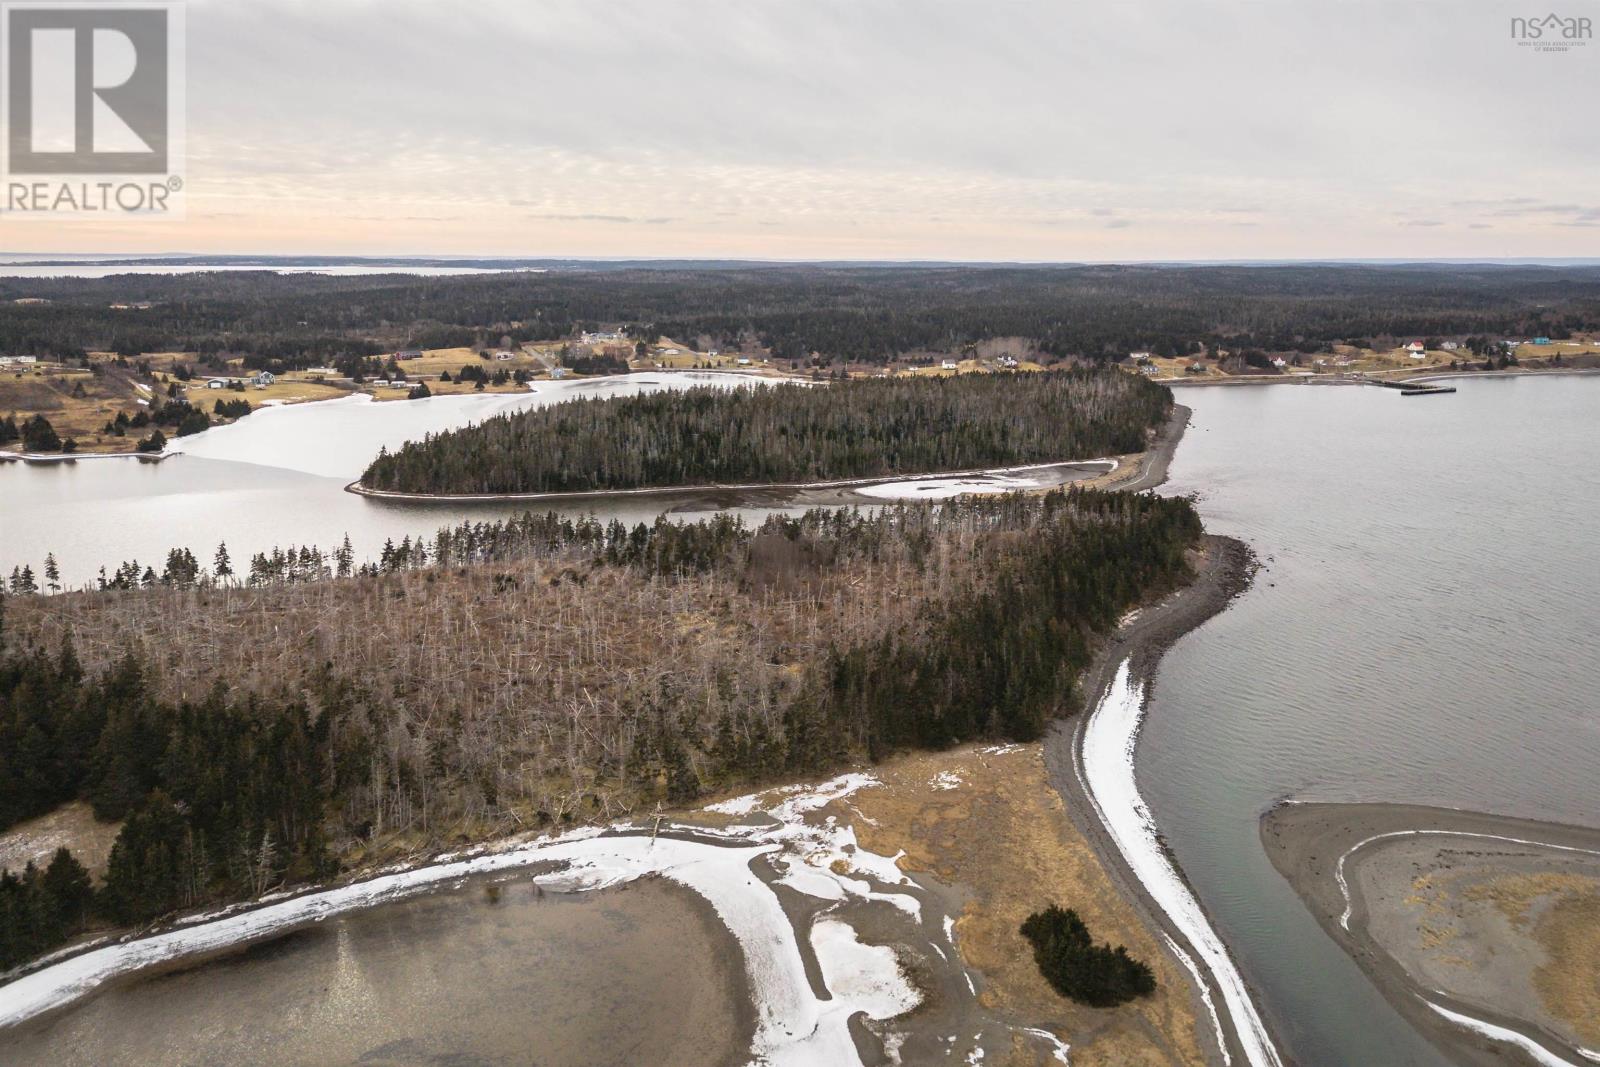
273, 479
643, 974
1423, 632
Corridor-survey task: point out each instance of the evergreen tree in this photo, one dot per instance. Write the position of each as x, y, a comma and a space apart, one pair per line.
1076, 967
39, 436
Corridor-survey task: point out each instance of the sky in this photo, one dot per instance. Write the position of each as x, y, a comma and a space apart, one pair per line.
1015, 130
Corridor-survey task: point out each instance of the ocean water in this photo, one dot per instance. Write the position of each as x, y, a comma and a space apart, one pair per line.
1423, 631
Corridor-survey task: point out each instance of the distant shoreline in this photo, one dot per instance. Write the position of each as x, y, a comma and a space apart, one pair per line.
1419, 375
46, 459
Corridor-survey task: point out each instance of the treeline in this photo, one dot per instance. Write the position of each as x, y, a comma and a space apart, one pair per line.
221, 799
785, 433
837, 314
544, 671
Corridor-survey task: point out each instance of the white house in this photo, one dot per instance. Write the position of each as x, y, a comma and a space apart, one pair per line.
217, 383
948, 364
264, 378
743, 361
1416, 349
15, 360
1450, 346
1139, 357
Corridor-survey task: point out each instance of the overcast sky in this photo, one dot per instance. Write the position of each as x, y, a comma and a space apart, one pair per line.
928, 129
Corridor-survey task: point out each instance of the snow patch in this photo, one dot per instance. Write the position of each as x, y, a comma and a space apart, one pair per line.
1108, 744
795, 1027
1500, 1033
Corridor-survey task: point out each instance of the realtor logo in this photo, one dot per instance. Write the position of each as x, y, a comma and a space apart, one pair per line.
92, 91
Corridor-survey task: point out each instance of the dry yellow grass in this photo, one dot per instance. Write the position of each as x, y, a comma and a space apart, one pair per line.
988, 820
282, 391
1569, 984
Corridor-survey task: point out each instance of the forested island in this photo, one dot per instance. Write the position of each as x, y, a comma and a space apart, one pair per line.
536, 672
785, 433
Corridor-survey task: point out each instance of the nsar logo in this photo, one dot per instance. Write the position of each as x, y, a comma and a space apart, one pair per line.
1552, 33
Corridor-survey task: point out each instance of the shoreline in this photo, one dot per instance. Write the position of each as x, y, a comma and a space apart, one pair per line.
581, 495
48, 459
1404, 374
801, 1012
1223, 574
1318, 847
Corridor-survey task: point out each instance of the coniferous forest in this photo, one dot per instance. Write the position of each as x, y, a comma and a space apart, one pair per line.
536, 672
828, 313
785, 433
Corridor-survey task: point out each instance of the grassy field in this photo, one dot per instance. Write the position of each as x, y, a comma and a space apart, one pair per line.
77, 402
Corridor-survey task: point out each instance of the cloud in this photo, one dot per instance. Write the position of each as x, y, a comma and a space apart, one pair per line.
620, 219
833, 127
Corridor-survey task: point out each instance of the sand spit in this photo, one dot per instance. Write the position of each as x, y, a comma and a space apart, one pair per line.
1108, 779
1118, 684
1482, 930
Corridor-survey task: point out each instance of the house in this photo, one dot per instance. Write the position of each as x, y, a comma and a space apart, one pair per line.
8, 361
1195, 367
1450, 346
409, 353
558, 372
264, 378
743, 361
1150, 369
1139, 357
502, 356
217, 383
1009, 362
1279, 362
1416, 348
948, 364
1541, 340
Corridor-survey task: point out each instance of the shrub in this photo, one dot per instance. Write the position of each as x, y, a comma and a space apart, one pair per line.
1076, 967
